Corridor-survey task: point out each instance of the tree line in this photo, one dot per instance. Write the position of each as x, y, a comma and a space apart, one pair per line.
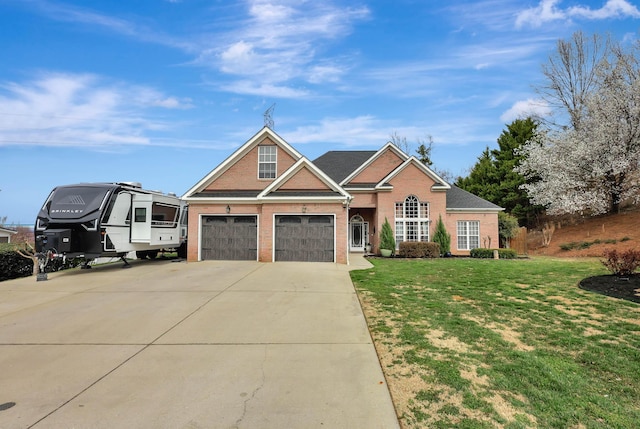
582, 159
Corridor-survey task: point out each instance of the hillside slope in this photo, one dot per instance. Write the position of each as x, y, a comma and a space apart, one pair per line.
620, 231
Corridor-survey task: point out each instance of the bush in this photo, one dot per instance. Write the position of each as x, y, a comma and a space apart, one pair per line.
621, 263
488, 253
442, 237
13, 266
508, 227
419, 249
387, 241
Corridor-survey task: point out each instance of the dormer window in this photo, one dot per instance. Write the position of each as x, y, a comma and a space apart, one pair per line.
267, 162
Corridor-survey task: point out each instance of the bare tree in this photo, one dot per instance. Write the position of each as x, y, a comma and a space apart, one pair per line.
423, 153
400, 141
30, 253
571, 75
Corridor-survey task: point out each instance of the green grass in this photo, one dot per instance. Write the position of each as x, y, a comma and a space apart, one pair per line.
513, 344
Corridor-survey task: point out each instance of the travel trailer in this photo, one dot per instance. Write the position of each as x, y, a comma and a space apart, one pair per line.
92, 220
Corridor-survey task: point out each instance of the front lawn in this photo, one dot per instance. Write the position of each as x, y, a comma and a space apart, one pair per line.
467, 343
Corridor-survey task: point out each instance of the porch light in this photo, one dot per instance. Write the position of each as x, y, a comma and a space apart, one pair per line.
228, 209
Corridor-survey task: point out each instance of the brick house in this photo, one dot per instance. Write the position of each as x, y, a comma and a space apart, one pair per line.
267, 202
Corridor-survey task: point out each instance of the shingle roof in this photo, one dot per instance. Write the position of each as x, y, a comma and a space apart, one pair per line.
338, 164
460, 199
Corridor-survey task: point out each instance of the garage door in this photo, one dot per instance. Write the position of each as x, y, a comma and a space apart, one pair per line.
304, 238
229, 238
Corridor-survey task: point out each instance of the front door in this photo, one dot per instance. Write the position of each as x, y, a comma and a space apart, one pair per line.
358, 233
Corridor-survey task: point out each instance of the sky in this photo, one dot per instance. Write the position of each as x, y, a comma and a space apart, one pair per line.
161, 91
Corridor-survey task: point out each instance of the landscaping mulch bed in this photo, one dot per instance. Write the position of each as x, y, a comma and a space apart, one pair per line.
617, 287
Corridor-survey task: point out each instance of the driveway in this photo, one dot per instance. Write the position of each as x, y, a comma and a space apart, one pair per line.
189, 345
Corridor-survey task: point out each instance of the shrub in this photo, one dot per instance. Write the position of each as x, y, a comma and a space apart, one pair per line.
419, 249
621, 263
442, 237
387, 241
488, 253
508, 227
586, 244
13, 266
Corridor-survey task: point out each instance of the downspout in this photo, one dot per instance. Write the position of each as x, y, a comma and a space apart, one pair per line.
346, 207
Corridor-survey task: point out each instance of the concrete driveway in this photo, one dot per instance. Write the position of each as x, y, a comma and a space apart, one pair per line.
189, 345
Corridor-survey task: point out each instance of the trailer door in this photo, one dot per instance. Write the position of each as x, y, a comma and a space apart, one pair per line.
141, 218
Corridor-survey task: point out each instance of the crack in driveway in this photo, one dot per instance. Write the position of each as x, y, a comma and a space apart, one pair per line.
254, 393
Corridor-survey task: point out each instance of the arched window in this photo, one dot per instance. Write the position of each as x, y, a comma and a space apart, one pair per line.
412, 220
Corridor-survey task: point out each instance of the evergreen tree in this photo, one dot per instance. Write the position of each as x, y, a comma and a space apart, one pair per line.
387, 241
493, 177
423, 151
442, 237
481, 180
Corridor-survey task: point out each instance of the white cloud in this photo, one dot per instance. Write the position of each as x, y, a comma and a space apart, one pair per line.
549, 10
544, 12
363, 130
274, 43
172, 103
96, 20
325, 73
271, 13
611, 9
78, 110
237, 57
525, 108
281, 41
249, 87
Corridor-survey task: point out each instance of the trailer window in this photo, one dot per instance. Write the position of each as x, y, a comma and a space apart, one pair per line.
163, 215
141, 214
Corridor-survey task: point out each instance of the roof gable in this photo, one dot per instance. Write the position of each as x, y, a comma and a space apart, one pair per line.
378, 165
303, 180
264, 135
439, 182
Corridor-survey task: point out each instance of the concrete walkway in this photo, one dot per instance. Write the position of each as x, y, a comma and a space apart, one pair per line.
200, 345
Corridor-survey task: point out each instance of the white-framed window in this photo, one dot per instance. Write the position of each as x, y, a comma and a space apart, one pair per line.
412, 220
468, 234
267, 162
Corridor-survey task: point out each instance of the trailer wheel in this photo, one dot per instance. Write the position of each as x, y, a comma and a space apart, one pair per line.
142, 254
152, 254
182, 251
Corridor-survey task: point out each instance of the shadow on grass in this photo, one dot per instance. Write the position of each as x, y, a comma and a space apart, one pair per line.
617, 287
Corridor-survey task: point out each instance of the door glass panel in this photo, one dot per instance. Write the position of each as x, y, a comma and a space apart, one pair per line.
357, 235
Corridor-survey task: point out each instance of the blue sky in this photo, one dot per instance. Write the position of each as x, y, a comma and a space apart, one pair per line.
160, 92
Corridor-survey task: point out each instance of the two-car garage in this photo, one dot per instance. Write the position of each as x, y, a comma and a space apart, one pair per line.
296, 238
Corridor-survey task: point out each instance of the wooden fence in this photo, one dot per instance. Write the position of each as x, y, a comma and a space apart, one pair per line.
519, 242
